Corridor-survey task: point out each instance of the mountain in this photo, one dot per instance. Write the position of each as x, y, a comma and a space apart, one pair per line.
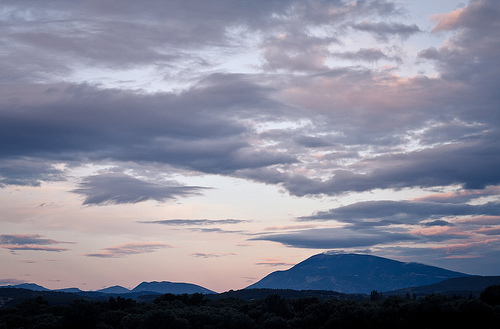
70, 290
29, 286
463, 286
354, 273
166, 287
114, 290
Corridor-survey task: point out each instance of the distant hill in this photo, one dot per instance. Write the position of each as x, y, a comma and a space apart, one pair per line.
12, 296
71, 290
463, 286
354, 273
166, 287
29, 286
114, 290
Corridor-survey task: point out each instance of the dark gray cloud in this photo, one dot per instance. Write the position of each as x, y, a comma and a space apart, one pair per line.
332, 238
366, 54
34, 242
383, 31
195, 222
28, 171
115, 188
215, 230
383, 213
437, 222
79, 123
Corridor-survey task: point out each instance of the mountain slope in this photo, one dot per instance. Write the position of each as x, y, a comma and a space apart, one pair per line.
166, 287
462, 286
353, 273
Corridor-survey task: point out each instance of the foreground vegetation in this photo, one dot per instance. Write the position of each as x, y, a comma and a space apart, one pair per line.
273, 311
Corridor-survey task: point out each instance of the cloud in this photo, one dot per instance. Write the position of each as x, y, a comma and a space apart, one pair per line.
460, 196
128, 249
6, 282
289, 227
28, 172
273, 262
211, 255
489, 231
113, 188
480, 220
79, 123
333, 238
385, 213
195, 222
438, 222
34, 242
215, 230
472, 165
367, 54
383, 30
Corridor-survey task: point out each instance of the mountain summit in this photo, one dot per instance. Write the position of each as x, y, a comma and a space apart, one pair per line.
166, 287
354, 273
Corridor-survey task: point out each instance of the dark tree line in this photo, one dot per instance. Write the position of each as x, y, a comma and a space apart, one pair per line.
273, 311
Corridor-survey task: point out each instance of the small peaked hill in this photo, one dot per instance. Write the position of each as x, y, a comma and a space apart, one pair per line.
166, 287
29, 286
354, 273
114, 290
70, 290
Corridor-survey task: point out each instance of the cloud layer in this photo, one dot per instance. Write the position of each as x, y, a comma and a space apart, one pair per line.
337, 101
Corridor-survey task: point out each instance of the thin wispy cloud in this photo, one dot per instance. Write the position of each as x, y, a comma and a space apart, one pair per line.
273, 262
211, 255
128, 249
195, 222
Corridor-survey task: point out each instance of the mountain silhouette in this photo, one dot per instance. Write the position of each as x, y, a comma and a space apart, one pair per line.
114, 290
166, 287
354, 273
29, 286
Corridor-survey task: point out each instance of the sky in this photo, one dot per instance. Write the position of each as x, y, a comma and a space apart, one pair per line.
214, 142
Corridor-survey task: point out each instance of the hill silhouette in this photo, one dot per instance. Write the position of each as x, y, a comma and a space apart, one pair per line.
354, 273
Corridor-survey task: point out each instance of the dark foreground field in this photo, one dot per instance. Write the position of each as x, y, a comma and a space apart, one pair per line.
273, 311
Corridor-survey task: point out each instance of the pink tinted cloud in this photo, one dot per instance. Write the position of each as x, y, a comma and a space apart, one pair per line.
129, 249
273, 262
460, 196
211, 255
480, 220
440, 230
489, 231
458, 249
447, 21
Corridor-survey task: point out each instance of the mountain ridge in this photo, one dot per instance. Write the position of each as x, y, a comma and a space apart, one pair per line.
153, 287
354, 273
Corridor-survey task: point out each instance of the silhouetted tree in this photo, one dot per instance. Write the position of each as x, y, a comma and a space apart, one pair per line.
491, 295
